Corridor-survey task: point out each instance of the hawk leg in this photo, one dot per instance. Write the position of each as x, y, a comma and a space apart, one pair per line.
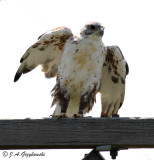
84, 103
63, 102
62, 98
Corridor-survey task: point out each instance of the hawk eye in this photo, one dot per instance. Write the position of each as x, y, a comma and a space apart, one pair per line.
92, 27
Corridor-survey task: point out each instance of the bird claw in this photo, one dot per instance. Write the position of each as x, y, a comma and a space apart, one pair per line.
62, 115
115, 115
78, 115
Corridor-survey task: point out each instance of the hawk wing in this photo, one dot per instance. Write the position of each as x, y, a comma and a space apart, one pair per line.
47, 51
112, 88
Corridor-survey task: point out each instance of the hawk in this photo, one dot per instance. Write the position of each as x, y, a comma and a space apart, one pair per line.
80, 70
78, 80
112, 88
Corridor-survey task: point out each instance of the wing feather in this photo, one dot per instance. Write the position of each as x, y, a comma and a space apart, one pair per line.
112, 88
47, 51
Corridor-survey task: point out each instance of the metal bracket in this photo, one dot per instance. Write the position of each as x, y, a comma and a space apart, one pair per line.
112, 148
93, 155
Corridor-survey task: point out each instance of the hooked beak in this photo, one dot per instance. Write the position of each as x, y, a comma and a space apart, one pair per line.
101, 31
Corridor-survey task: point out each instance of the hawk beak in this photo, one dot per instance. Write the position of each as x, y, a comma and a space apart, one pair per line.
101, 31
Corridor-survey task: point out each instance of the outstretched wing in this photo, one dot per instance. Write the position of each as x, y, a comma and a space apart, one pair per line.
112, 88
47, 51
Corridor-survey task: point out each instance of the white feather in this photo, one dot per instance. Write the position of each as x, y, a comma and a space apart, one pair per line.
112, 94
47, 51
80, 70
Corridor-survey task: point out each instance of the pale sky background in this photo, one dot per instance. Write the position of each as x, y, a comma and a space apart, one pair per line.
128, 24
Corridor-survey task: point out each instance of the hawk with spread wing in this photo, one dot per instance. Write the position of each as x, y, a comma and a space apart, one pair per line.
83, 66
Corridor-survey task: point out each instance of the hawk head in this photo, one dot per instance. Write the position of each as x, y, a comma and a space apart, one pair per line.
92, 28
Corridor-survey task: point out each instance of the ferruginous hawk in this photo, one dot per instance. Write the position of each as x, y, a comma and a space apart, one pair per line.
80, 70
112, 88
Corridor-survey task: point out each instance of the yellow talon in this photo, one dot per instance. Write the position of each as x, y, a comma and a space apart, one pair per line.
62, 115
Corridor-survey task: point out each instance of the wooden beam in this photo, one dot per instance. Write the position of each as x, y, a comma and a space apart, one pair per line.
76, 133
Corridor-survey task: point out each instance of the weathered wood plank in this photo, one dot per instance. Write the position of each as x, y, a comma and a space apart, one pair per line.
76, 133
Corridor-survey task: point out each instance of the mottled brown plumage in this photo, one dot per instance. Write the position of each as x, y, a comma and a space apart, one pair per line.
47, 51
78, 62
79, 72
112, 88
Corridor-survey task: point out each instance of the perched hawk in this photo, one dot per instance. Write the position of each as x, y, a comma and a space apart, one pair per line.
112, 89
80, 70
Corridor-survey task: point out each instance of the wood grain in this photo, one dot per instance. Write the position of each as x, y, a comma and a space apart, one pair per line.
76, 133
